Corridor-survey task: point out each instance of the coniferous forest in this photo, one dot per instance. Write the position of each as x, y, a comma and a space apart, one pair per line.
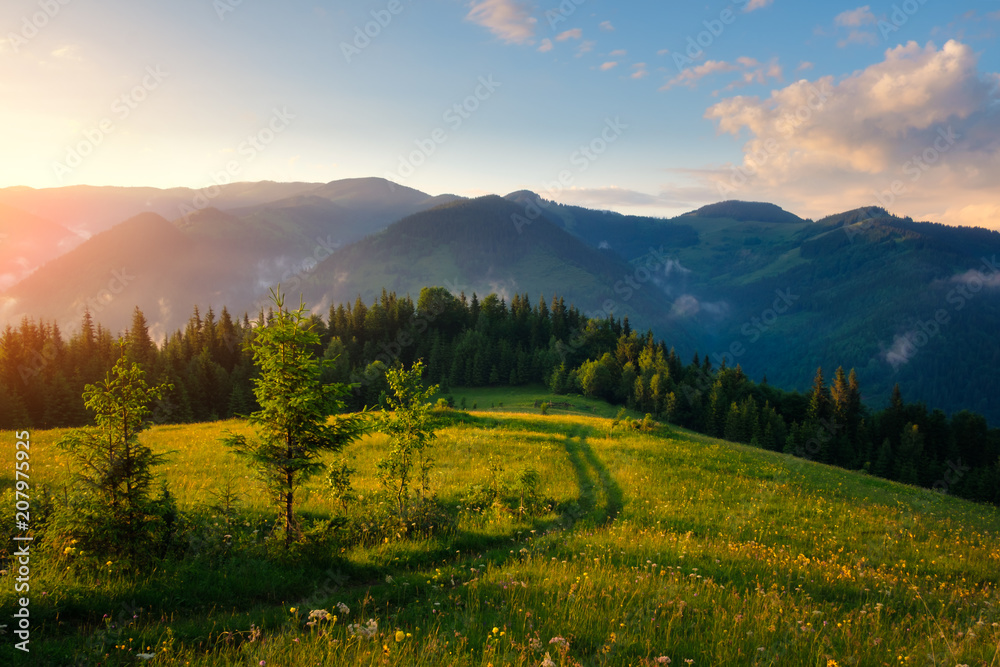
468, 342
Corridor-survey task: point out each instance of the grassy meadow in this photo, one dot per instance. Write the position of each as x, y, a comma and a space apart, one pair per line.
646, 548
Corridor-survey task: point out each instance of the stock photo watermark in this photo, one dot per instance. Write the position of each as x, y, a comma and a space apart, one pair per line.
454, 116
33, 24
363, 35
697, 44
248, 149
122, 107
21, 557
582, 159
969, 284
915, 167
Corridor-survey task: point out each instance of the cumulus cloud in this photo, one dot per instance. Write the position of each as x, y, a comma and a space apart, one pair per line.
922, 115
509, 20
611, 64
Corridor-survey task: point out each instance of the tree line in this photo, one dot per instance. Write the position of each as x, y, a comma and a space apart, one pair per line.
208, 373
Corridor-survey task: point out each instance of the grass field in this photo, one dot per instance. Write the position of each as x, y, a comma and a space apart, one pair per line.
661, 547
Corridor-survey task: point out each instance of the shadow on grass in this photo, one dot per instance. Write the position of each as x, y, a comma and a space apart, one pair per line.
594, 480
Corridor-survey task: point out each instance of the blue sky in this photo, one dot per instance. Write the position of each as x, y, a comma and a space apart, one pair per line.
645, 107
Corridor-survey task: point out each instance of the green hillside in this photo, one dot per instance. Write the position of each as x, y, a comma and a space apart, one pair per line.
475, 246
643, 545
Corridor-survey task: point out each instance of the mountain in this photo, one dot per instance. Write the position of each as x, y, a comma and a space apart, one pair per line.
901, 301
747, 283
479, 246
210, 257
630, 236
28, 241
88, 209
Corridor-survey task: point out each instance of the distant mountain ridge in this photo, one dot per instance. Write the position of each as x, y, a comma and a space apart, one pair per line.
860, 288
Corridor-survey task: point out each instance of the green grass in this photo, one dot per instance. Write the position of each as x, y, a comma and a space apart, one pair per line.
655, 544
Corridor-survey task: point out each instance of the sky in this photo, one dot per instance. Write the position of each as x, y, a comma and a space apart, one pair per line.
651, 108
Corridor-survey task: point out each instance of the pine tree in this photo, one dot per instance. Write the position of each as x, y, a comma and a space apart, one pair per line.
111, 462
819, 400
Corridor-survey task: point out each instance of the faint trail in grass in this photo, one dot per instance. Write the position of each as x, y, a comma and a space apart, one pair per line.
594, 480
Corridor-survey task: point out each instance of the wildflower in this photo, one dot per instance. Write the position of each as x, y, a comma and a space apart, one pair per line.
400, 635
343, 608
367, 630
293, 610
663, 660
496, 630
547, 662
146, 656
560, 642
262, 663
317, 616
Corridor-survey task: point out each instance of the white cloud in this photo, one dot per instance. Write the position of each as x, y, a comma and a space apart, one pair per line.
611, 64
640, 71
803, 66
978, 279
618, 53
923, 116
545, 46
858, 37
691, 75
573, 33
753, 72
606, 25
509, 20
855, 18
757, 4
901, 351
586, 47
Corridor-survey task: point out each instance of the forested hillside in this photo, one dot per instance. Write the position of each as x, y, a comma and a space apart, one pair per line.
468, 342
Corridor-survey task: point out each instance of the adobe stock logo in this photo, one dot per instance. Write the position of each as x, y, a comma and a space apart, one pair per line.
122, 107
363, 36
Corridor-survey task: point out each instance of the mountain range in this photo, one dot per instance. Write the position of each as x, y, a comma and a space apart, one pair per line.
916, 303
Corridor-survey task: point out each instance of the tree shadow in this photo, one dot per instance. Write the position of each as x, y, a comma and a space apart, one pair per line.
594, 481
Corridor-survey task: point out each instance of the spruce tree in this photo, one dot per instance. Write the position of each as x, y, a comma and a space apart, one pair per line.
291, 424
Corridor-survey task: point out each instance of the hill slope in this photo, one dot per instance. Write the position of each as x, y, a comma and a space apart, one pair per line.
644, 544
475, 246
